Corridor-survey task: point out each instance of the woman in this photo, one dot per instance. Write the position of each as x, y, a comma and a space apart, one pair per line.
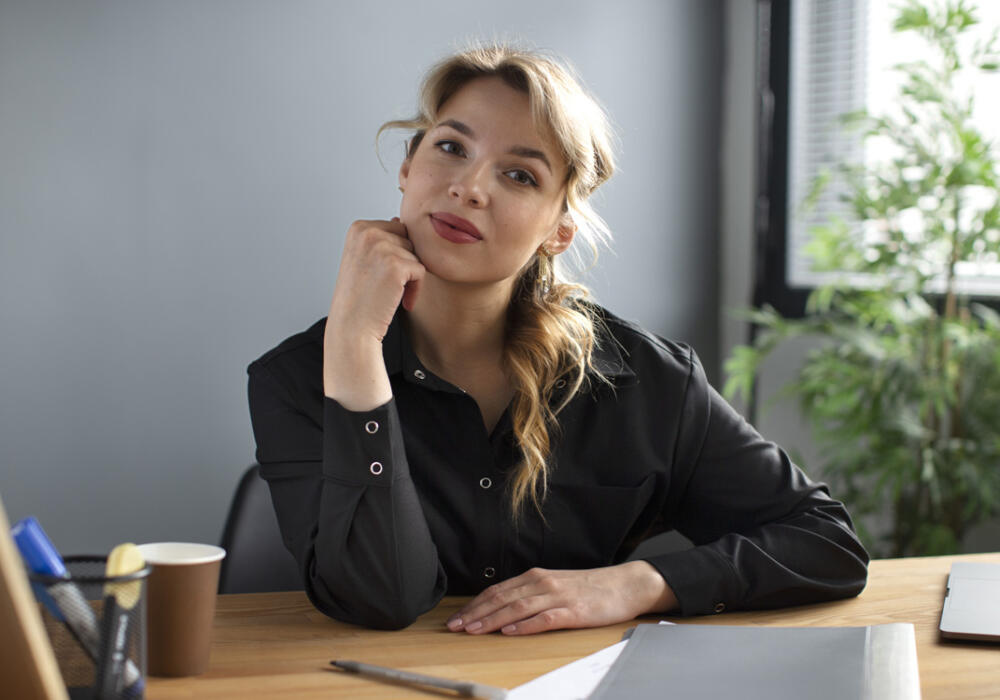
465, 422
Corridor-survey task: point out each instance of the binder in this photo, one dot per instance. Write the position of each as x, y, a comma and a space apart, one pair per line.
689, 662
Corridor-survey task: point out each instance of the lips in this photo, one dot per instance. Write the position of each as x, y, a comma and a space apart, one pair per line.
455, 228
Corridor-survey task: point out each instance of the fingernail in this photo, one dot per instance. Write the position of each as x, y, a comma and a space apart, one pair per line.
509, 629
474, 626
455, 623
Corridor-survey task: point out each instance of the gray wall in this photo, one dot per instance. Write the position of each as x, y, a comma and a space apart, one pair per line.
175, 181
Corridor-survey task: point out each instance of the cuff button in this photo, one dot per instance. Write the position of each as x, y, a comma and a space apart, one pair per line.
719, 607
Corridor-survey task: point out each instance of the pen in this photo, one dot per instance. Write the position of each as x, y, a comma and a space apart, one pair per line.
464, 688
119, 601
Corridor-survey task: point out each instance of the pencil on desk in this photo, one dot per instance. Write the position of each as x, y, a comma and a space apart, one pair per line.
467, 689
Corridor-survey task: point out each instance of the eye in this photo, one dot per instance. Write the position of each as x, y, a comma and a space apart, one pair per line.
522, 177
452, 147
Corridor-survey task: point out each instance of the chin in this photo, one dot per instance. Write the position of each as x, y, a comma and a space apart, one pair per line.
452, 273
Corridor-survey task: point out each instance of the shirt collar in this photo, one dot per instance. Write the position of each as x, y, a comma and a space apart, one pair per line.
608, 358
398, 354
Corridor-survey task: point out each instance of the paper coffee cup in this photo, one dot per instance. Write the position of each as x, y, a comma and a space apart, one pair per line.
180, 606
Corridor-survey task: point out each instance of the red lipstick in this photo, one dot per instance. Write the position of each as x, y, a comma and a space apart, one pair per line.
455, 228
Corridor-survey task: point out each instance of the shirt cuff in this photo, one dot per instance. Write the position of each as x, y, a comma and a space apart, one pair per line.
363, 448
703, 580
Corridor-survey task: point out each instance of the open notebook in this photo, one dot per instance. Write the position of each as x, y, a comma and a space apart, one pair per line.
27, 665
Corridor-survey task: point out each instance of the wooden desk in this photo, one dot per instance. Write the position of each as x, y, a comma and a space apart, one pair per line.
271, 645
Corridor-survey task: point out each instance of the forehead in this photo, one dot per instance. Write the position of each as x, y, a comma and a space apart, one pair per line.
493, 109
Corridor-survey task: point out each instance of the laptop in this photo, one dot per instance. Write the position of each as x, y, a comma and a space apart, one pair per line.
972, 602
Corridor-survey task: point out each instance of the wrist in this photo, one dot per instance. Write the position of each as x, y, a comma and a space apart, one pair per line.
653, 593
354, 371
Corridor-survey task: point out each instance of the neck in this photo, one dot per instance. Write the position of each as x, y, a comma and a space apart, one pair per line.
458, 328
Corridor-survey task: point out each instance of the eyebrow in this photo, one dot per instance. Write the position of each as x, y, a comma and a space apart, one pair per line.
523, 151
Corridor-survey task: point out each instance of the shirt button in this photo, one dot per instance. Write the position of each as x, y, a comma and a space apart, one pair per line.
489, 572
719, 607
419, 373
371, 427
485, 482
375, 468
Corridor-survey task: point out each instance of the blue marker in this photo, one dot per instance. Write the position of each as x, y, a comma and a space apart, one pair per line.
41, 558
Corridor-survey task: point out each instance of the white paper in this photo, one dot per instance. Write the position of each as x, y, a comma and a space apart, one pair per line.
575, 680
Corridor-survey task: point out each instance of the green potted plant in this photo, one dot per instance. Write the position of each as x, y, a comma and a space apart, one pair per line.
902, 389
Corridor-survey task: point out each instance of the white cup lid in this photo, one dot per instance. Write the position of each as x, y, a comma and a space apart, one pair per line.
180, 553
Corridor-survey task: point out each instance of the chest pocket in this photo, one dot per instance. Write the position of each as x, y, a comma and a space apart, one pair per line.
588, 523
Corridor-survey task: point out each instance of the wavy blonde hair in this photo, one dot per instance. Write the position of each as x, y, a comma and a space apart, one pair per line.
550, 332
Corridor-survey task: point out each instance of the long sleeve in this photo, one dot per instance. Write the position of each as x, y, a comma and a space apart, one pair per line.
346, 505
765, 535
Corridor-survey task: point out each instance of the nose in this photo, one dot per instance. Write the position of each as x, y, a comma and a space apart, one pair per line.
470, 186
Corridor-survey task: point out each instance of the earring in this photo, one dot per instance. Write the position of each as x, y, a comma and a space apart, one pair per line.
401, 189
546, 272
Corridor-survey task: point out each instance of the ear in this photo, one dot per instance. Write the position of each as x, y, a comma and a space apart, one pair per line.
560, 240
404, 172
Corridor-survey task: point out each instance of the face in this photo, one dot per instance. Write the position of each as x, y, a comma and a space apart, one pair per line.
484, 189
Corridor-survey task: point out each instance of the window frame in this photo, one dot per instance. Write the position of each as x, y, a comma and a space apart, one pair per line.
770, 278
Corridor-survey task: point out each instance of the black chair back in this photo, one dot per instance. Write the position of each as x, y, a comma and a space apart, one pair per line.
256, 559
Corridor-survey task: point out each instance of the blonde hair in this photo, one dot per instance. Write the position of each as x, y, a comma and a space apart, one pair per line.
550, 330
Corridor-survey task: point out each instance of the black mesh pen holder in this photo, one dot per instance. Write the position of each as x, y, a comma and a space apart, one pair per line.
97, 627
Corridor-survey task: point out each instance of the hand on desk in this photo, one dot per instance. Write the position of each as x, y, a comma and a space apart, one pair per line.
543, 599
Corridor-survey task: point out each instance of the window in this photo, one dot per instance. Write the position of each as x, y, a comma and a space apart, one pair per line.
825, 58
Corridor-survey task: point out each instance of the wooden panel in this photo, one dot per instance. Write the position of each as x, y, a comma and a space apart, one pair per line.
27, 665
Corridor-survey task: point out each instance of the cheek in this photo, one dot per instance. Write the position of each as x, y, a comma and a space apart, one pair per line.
531, 226
413, 196
419, 186
405, 208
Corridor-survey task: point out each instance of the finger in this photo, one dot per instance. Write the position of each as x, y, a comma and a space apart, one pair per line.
504, 606
410, 292
551, 619
531, 577
516, 611
412, 288
397, 227
393, 225
489, 601
374, 227
493, 598
366, 245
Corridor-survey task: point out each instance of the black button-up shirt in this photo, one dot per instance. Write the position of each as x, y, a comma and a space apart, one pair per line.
387, 510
